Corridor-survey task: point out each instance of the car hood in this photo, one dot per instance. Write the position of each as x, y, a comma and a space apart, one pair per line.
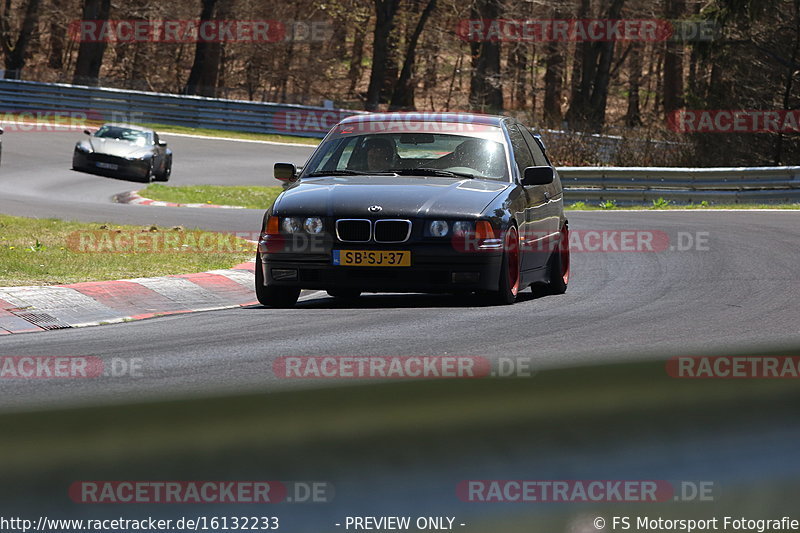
398, 196
116, 147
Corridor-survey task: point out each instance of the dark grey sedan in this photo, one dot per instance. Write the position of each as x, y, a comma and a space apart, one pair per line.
414, 202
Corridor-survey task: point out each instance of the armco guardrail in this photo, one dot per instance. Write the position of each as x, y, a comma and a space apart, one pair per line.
644, 184
116, 105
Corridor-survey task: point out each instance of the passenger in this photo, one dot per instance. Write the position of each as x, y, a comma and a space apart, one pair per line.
381, 154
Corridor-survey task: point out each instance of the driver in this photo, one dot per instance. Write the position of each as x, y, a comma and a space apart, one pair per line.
479, 155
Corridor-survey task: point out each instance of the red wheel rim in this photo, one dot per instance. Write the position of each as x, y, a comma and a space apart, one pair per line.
512, 251
564, 251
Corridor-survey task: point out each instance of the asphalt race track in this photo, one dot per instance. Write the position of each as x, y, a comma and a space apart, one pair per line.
739, 289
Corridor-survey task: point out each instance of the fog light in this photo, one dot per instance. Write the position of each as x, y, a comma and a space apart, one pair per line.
466, 277
284, 274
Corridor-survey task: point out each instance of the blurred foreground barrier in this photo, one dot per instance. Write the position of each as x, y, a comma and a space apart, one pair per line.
425, 448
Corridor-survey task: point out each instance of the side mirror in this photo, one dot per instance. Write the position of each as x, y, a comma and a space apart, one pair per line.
285, 171
538, 176
87, 131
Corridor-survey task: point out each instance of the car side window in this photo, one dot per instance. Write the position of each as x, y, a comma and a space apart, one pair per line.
522, 155
538, 155
339, 154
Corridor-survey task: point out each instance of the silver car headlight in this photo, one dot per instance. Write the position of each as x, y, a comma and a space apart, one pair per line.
439, 228
313, 225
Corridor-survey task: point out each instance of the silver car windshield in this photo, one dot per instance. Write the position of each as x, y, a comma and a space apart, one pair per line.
138, 137
409, 153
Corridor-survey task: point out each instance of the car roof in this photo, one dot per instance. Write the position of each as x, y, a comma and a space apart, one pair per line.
423, 116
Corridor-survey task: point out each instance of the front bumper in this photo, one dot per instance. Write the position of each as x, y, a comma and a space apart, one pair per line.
435, 267
137, 168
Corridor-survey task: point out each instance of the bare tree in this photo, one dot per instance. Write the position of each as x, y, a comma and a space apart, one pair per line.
385, 12
633, 116
673, 61
403, 95
16, 52
90, 53
485, 88
208, 55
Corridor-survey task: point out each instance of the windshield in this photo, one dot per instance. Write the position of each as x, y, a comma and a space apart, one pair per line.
408, 153
141, 138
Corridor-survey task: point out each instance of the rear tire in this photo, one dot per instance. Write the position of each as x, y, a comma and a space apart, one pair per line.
559, 268
275, 296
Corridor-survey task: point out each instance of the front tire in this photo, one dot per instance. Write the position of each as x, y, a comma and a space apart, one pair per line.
148, 175
275, 296
508, 287
167, 172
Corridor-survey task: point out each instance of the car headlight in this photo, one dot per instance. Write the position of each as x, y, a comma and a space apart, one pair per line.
291, 224
144, 157
462, 228
82, 148
439, 228
313, 225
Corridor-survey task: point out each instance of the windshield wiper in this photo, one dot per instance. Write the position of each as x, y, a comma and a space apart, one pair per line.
336, 173
346, 172
427, 171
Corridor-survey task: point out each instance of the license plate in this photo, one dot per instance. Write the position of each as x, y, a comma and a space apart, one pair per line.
108, 166
376, 258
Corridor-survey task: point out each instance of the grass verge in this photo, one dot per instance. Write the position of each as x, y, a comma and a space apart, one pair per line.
252, 197
50, 251
259, 197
